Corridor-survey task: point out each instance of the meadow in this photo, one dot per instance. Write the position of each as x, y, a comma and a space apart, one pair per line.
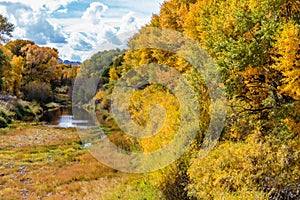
39, 162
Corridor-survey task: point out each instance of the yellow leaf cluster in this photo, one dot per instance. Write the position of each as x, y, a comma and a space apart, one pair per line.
288, 60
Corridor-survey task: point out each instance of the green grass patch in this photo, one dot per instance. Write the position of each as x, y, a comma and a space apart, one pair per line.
134, 189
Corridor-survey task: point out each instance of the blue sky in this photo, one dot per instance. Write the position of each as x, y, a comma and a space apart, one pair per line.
78, 28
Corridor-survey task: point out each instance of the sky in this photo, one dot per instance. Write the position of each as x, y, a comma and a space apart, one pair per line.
78, 28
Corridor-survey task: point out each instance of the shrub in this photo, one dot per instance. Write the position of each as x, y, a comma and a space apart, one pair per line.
62, 90
26, 111
6, 116
5, 119
3, 122
246, 170
40, 92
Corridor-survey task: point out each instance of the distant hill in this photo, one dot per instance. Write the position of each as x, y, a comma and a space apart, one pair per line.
68, 62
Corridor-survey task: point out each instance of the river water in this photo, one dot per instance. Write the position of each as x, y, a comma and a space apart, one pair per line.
64, 118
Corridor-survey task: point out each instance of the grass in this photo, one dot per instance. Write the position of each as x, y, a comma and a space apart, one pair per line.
39, 162
138, 188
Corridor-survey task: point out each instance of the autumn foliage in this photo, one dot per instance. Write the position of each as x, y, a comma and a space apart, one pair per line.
255, 45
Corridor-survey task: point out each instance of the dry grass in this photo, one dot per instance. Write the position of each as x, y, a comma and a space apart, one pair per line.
49, 163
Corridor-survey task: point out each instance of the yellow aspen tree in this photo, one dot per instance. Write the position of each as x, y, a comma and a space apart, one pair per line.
287, 48
17, 69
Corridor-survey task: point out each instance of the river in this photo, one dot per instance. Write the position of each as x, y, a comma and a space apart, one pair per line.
64, 118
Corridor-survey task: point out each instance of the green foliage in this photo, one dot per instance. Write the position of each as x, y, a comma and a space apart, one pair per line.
140, 189
3, 122
6, 29
27, 111
99, 64
173, 180
5, 118
96, 70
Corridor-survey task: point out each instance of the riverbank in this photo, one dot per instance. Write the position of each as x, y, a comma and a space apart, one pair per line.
13, 109
40, 162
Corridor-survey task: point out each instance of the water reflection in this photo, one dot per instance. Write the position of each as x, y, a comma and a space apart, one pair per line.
66, 121
64, 118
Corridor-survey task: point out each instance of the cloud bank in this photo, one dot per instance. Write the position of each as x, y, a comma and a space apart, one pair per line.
78, 28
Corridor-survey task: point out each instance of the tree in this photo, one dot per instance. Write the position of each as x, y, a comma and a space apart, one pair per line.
16, 75
255, 44
11, 71
16, 46
173, 14
40, 63
287, 60
38, 91
5, 67
6, 29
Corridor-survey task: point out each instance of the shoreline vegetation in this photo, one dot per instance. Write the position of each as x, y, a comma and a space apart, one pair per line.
256, 47
14, 109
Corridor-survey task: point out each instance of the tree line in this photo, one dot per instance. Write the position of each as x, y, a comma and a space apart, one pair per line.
256, 47
29, 71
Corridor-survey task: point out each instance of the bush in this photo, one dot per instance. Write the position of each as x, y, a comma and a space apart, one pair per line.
246, 170
26, 111
5, 119
3, 122
5, 116
62, 90
40, 92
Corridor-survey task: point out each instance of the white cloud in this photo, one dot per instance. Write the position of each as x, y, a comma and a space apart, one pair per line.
80, 42
62, 11
128, 23
93, 32
94, 13
78, 28
32, 25
47, 5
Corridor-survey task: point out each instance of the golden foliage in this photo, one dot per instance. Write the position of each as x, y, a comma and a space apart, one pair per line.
243, 170
287, 47
141, 104
113, 76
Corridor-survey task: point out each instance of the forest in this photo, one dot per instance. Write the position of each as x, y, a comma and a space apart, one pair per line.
255, 45
33, 74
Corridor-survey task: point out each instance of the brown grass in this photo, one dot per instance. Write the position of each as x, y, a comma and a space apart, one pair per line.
49, 163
